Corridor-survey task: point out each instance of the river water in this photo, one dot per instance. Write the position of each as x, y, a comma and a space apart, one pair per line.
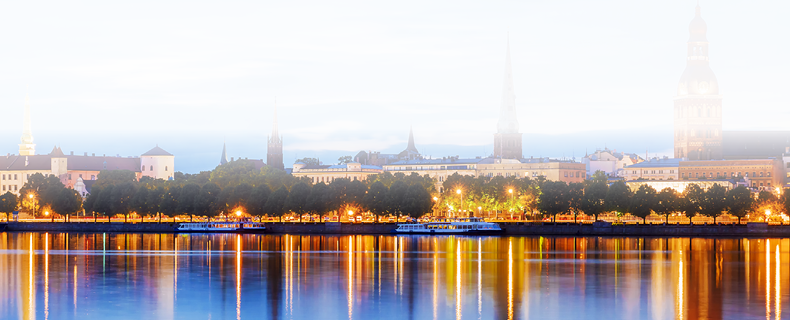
200, 276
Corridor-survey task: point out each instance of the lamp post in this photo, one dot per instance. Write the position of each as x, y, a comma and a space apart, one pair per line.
458, 191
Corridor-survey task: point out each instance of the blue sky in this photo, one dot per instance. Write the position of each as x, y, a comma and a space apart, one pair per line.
119, 78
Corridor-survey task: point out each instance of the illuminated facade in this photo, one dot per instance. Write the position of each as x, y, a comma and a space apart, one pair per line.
697, 113
653, 169
679, 185
758, 174
328, 173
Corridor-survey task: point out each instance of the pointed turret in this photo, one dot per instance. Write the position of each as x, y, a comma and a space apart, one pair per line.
508, 122
274, 152
224, 158
27, 147
411, 146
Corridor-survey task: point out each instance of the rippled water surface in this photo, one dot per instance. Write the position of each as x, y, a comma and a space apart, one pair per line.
198, 276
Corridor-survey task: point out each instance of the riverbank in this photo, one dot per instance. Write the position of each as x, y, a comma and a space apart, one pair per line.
752, 229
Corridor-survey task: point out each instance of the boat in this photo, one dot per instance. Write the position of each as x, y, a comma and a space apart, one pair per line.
450, 226
222, 227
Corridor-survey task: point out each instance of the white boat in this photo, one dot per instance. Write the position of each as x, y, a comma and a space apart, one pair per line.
450, 226
222, 226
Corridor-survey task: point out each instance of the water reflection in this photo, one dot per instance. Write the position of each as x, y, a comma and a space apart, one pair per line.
165, 276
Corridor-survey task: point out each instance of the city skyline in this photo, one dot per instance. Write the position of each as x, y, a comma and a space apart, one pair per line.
579, 87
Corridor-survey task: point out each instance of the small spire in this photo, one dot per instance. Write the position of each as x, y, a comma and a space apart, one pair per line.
224, 158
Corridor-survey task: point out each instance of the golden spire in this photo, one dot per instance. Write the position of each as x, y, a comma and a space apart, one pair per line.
27, 148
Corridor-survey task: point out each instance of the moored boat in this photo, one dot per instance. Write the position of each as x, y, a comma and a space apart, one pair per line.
450, 226
222, 227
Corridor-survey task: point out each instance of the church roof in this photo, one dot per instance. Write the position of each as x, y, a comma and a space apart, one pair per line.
157, 151
56, 152
754, 144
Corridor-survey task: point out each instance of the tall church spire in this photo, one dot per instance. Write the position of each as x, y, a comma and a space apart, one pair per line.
274, 152
411, 146
27, 147
508, 123
224, 158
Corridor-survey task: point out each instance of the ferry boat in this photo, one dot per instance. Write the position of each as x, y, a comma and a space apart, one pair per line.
222, 226
450, 226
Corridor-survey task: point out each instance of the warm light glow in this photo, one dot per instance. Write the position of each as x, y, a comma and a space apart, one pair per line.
350, 212
479, 208
238, 213
458, 191
767, 212
435, 199
510, 190
46, 213
30, 196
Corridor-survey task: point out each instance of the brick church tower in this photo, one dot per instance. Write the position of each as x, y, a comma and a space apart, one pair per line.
507, 140
274, 153
698, 134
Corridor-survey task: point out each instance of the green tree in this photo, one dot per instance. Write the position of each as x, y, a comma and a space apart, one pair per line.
8, 204
121, 198
257, 201
103, 202
309, 161
338, 195
316, 202
45, 190
169, 204
667, 202
140, 202
240, 197
553, 199
344, 160
417, 201
376, 199
155, 198
207, 202
643, 201
396, 198
90, 201
715, 202
594, 196
739, 202
188, 198
575, 198
68, 202
694, 198
618, 197
114, 177
297, 199
276, 202
355, 194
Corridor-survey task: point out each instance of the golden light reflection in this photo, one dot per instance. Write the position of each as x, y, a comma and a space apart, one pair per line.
479, 278
75, 287
458, 279
510, 279
350, 278
679, 304
31, 302
778, 285
768, 279
435, 279
238, 277
46, 275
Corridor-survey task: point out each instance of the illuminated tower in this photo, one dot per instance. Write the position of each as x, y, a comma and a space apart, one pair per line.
27, 147
274, 154
507, 140
697, 113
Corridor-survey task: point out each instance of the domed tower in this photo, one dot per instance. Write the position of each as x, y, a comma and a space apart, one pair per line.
698, 133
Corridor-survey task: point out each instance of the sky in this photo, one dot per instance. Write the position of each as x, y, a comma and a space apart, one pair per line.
119, 78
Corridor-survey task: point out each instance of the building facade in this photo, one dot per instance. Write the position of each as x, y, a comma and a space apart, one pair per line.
697, 110
653, 169
757, 174
328, 173
609, 162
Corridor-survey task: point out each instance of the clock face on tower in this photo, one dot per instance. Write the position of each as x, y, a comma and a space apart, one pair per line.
703, 87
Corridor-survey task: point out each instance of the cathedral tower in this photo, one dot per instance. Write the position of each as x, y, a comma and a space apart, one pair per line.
27, 147
697, 113
507, 140
274, 153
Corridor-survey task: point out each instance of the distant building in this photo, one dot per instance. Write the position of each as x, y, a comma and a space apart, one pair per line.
379, 159
609, 161
440, 169
274, 151
223, 159
75, 171
680, 185
786, 163
758, 174
328, 173
653, 169
755, 144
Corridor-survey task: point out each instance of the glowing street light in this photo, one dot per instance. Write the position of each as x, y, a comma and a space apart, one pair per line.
435, 199
46, 213
238, 213
350, 213
511, 202
458, 191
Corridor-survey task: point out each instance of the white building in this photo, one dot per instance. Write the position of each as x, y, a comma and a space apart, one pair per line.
609, 161
653, 169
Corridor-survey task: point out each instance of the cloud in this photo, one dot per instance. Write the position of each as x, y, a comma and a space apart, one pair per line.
153, 73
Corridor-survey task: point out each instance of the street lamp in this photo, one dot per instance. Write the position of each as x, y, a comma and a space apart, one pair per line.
479, 211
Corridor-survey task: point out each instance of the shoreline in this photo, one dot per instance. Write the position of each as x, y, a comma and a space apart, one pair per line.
751, 229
